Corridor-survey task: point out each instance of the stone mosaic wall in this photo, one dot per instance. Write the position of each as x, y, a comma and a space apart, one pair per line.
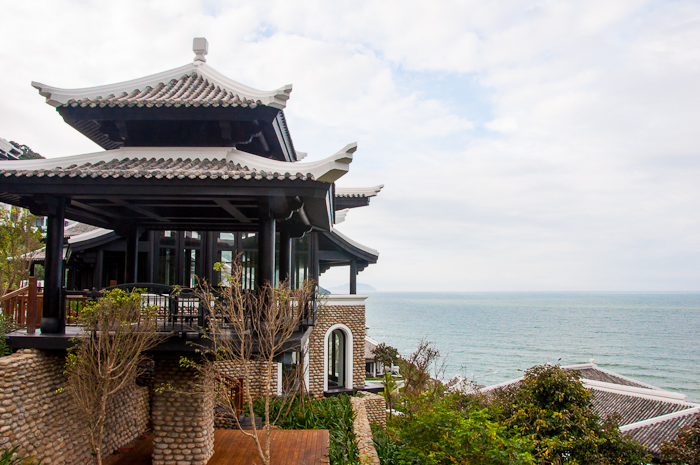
182, 415
258, 374
375, 406
42, 421
352, 316
363, 433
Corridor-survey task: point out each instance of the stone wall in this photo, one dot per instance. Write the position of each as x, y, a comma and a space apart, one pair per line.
42, 421
363, 432
352, 316
375, 406
182, 415
257, 372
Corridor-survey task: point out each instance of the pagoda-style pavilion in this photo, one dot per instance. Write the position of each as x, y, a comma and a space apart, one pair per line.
186, 150
196, 169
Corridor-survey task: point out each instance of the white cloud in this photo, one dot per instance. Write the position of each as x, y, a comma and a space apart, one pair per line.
566, 158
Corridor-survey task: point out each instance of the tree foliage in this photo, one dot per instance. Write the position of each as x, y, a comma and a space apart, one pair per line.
685, 449
385, 354
18, 237
117, 330
27, 153
447, 433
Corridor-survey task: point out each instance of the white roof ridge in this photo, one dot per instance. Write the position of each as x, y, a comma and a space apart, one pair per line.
493, 387
659, 419
363, 191
354, 243
327, 170
57, 97
89, 235
654, 394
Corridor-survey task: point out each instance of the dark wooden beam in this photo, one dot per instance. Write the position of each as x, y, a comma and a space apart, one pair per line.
137, 209
233, 211
131, 269
53, 316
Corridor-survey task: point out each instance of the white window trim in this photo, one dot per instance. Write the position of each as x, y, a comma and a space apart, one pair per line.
348, 355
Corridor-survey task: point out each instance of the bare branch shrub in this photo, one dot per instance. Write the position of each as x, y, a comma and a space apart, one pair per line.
253, 329
117, 330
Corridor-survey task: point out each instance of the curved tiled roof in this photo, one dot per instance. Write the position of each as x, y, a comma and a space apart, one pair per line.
195, 84
352, 192
191, 89
180, 163
159, 168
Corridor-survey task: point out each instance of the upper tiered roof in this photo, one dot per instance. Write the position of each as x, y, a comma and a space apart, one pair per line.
193, 105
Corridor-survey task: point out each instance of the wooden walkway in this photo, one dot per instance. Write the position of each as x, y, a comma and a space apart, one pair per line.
231, 447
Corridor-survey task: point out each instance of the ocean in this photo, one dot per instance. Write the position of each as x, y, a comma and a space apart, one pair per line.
490, 337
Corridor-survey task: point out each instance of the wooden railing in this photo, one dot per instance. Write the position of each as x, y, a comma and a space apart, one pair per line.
233, 389
23, 306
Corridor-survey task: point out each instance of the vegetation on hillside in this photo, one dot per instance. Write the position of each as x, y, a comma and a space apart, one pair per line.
18, 237
547, 418
27, 153
685, 449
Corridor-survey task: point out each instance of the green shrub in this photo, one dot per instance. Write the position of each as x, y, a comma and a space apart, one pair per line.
332, 413
8, 457
446, 432
6, 327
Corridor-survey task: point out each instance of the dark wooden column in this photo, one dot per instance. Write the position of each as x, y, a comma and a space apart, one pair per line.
53, 319
353, 277
150, 274
266, 248
97, 272
179, 257
285, 256
314, 270
131, 273
209, 252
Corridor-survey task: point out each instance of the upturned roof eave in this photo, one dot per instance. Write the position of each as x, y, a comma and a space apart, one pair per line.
57, 97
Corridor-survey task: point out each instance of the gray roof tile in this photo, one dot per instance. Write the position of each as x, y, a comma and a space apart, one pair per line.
157, 169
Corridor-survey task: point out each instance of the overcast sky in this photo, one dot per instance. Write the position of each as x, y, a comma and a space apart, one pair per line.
524, 146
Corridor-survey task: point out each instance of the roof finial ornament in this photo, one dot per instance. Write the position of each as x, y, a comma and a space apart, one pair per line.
200, 46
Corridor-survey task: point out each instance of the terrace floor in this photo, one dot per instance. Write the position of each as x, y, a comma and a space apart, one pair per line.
231, 447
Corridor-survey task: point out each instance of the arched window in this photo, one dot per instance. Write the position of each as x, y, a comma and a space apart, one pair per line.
338, 358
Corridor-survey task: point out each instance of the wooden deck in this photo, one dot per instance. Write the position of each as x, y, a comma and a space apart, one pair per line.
231, 447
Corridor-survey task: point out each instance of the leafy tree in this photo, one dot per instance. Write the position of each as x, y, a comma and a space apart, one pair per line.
554, 411
385, 354
117, 331
27, 153
18, 237
685, 449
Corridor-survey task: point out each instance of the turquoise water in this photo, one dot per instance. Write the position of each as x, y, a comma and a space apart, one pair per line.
489, 337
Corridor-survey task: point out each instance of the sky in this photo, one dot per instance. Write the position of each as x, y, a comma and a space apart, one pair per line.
523, 145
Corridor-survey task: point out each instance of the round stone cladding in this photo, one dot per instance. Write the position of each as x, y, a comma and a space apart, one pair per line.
42, 421
352, 316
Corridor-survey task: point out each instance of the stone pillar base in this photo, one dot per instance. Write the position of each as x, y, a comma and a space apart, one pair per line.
183, 415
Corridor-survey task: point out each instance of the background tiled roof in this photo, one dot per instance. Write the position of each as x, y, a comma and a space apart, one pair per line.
600, 375
652, 436
157, 169
632, 408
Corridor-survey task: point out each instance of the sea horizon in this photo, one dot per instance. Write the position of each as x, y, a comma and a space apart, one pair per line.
493, 336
